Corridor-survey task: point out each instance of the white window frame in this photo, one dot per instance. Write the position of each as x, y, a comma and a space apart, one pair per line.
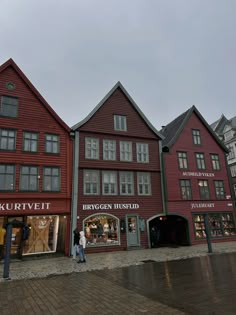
91, 178
233, 170
120, 123
9, 106
126, 153
52, 143
235, 190
109, 150
228, 135
7, 139
142, 152
51, 178
109, 181
231, 154
126, 183
92, 148
30, 141
144, 183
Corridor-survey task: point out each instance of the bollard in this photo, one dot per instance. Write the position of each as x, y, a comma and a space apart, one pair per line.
7, 252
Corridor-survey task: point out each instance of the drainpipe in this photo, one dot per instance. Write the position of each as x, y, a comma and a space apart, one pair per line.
75, 184
163, 179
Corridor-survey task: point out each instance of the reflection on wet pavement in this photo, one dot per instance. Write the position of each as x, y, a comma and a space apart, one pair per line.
202, 285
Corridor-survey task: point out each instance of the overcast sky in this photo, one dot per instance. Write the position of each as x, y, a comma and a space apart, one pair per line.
168, 54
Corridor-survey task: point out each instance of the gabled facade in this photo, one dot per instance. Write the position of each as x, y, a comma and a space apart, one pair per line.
117, 174
226, 131
35, 167
196, 183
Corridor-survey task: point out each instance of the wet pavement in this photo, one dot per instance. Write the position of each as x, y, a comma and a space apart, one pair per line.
153, 281
203, 285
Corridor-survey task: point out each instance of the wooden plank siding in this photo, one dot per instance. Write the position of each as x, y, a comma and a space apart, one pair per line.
173, 174
36, 116
101, 126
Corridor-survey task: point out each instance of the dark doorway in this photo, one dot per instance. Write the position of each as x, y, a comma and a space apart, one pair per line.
171, 230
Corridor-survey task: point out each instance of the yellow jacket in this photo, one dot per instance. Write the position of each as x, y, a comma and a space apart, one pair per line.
2, 235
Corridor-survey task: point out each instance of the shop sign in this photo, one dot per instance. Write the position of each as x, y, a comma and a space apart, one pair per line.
14, 206
110, 206
202, 205
198, 174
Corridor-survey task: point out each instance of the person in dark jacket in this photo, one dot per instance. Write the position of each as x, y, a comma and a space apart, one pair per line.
76, 243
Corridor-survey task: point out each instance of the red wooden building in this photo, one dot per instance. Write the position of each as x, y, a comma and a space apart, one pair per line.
35, 167
196, 183
117, 188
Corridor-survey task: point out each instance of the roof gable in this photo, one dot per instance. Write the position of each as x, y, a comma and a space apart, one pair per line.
172, 131
11, 63
117, 86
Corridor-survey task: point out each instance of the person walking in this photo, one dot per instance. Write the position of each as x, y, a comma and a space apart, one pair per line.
2, 241
82, 245
76, 243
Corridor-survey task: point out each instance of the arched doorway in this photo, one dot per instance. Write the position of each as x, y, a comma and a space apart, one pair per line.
170, 230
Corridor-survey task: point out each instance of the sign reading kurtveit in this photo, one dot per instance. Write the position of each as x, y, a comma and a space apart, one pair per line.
109, 206
11, 206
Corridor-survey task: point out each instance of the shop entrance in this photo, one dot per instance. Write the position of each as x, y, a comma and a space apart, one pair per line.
170, 230
132, 230
16, 237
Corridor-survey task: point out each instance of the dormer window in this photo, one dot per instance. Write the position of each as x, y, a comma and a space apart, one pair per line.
120, 123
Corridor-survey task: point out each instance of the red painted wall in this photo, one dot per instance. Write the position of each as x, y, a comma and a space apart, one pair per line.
101, 126
209, 146
35, 116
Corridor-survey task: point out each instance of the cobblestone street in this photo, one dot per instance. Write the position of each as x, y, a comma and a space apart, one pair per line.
61, 285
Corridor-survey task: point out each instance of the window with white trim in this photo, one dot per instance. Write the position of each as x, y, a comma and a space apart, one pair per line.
109, 150
7, 139
235, 190
231, 154
29, 178
200, 161
91, 148
233, 170
215, 161
109, 183
219, 189
120, 123
126, 151
182, 160
204, 189
30, 141
196, 136
144, 183
7, 177
9, 106
91, 182
126, 183
51, 143
51, 178
142, 152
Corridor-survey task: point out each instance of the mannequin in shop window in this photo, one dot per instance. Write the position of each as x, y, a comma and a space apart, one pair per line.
99, 229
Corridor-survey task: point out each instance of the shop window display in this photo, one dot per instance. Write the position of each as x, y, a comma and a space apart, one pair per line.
220, 225
101, 229
42, 235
